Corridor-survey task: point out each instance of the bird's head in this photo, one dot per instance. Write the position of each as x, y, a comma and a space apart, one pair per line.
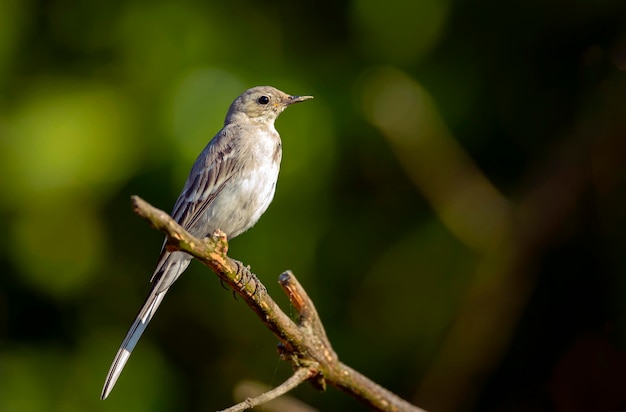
263, 103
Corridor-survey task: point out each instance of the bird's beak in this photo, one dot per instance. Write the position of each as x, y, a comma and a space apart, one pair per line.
296, 99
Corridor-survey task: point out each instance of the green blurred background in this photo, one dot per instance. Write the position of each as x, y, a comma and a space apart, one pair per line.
453, 199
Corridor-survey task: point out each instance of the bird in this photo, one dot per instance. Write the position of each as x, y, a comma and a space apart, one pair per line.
230, 185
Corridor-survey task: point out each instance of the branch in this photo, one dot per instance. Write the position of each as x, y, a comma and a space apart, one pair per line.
305, 344
296, 379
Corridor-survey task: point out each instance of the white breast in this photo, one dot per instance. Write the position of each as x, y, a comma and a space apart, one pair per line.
249, 194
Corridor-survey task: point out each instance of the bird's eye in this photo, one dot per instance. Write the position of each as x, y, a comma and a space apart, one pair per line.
263, 100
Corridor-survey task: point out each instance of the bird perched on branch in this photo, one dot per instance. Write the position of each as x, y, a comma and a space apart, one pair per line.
230, 186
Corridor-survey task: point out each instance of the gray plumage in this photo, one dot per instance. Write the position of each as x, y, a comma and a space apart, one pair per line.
230, 186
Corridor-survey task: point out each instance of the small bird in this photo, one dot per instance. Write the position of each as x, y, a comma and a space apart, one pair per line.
230, 186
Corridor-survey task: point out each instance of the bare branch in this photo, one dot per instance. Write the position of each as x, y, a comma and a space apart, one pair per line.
305, 345
294, 380
309, 319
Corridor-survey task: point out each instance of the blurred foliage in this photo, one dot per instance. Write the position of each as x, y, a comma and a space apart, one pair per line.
453, 199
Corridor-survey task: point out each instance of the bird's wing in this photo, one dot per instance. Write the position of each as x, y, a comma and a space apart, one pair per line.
214, 167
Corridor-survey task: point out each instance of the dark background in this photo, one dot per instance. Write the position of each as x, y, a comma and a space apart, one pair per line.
453, 199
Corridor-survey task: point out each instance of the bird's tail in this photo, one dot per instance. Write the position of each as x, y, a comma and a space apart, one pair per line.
132, 337
170, 266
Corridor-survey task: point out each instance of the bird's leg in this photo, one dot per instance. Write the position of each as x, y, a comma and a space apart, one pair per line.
258, 286
241, 272
246, 276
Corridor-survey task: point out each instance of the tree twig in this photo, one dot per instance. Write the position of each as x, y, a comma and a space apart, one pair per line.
305, 344
299, 376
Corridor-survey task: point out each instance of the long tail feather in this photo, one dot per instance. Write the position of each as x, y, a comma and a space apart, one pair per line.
169, 268
132, 337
